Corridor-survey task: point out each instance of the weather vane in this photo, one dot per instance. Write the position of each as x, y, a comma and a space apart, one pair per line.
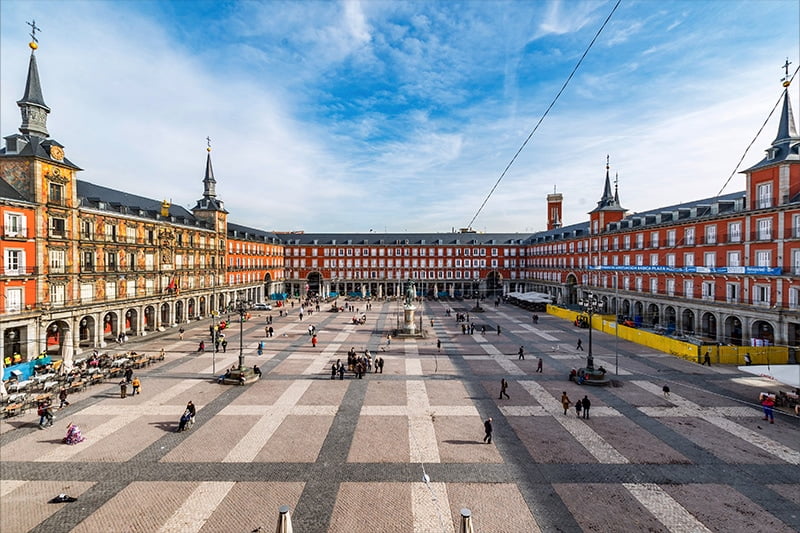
208, 143
35, 28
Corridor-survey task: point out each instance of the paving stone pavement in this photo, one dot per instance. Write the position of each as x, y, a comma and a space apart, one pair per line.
402, 450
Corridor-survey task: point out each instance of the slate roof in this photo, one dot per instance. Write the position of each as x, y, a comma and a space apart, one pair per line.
237, 231
401, 239
35, 146
7, 191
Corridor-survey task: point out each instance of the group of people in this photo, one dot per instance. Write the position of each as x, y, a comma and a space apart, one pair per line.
581, 406
358, 364
133, 381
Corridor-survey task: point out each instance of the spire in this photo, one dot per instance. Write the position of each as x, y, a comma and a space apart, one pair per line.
616, 188
209, 182
32, 107
608, 199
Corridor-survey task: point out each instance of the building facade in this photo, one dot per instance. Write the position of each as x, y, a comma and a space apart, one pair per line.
85, 264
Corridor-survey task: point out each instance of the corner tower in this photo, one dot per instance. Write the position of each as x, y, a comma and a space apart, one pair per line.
608, 208
209, 208
554, 210
775, 180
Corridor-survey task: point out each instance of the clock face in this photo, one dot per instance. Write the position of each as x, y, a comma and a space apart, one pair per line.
57, 153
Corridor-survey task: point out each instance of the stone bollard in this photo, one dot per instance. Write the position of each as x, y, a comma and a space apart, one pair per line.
466, 522
284, 520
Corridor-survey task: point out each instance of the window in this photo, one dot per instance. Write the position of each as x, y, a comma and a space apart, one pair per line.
654, 285
639, 260
795, 262
111, 262
761, 295
15, 225
654, 240
58, 227
735, 232
87, 230
13, 300
57, 295
732, 293
87, 292
57, 261
708, 290
688, 236
130, 288
111, 290
88, 261
56, 194
671, 260
639, 284
671, 237
688, 259
796, 226
132, 260
653, 259
711, 234
640, 240
763, 258
670, 287
710, 259
626, 242
734, 259
111, 232
688, 288
765, 229
14, 262
130, 235
764, 195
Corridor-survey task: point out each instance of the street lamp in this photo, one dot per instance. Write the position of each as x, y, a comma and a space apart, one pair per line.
591, 305
241, 308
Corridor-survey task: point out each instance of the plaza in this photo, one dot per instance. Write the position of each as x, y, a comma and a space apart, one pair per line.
403, 450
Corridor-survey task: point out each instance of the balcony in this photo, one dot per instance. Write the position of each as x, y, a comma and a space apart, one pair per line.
15, 233
19, 272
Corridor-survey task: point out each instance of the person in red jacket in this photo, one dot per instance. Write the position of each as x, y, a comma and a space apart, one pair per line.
767, 403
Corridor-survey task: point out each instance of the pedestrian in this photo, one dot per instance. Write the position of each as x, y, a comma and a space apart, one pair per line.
503, 388
334, 369
359, 370
128, 374
63, 397
487, 426
767, 403
498, 329
565, 401
665, 389
257, 371
707, 358
341, 371
180, 333
578, 407
521, 353
314, 341
586, 405
301, 316
439, 344
224, 345
216, 345
539, 365
388, 340
271, 331
201, 347
747, 360
123, 389
379, 362
580, 345
266, 331
136, 386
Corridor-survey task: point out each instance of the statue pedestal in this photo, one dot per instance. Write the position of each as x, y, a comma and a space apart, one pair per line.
409, 328
240, 377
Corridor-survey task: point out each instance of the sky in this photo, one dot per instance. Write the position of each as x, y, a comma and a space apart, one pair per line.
392, 116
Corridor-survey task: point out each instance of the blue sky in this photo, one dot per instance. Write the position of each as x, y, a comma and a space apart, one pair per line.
400, 116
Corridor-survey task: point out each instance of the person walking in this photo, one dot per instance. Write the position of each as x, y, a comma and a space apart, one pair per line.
503, 389
123, 389
498, 329
578, 407
341, 371
521, 353
379, 363
586, 405
707, 358
334, 369
539, 365
565, 401
768, 403
747, 360
487, 427
314, 341
180, 333
63, 397
224, 345
665, 389
201, 347
580, 345
439, 344
136, 386
128, 374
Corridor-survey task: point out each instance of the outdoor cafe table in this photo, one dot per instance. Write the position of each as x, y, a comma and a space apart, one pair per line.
21, 385
120, 362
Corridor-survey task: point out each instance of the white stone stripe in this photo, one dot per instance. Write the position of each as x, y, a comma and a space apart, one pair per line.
135, 410
255, 439
320, 363
7, 486
665, 508
423, 445
198, 507
299, 410
63, 453
503, 360
401, 410
539, 332
686, 408
683, 412
538, 410
430, 508
586, 436
768, 445
165, 396
413, 367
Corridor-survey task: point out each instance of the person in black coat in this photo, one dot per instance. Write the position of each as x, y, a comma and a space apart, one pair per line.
586, 404
487, 426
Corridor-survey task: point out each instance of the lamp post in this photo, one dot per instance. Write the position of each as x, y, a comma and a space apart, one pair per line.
242, 310
616, 323
591, 305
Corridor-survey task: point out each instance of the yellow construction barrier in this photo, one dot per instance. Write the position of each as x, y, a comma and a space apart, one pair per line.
726, 355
